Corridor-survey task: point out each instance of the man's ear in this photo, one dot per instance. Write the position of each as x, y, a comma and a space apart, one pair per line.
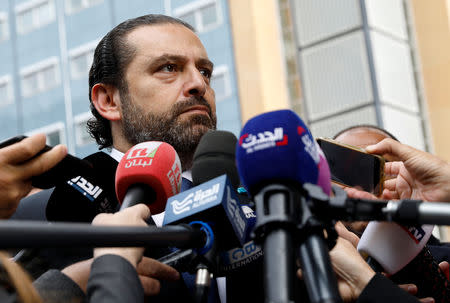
106, 99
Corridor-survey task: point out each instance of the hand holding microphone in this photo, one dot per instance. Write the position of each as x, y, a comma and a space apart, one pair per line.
352, 271
132, 216
19, 162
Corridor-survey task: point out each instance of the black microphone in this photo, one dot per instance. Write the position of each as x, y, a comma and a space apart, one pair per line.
69, 167
213, 200
82, 197
215, 156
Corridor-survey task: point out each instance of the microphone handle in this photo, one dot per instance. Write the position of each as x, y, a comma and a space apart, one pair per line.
424, 271
180, 259
32, 234
412, 212
317, 270
202, 284
276, 208
138, 193
278, 266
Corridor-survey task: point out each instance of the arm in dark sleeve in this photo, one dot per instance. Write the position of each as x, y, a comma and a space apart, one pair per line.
382, 290
114, 279
54, 286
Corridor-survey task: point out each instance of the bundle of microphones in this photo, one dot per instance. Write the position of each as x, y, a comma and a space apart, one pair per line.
264, 199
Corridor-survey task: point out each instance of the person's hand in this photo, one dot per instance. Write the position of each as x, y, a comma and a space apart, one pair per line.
18, 164
419, 175
445, 267
149, 270
132, 216
352, 271
346, 234
358, 227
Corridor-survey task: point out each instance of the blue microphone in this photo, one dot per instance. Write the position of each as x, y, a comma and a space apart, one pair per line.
276, 156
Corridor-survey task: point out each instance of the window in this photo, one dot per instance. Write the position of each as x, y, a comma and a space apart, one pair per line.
203, 15
34, 14
4, 28
81, 134
6, 95
220, 82
54, 133
40, 77
81, 60
73, 6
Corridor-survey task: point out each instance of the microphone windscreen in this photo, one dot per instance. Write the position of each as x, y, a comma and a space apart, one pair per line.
153, 164
215, 155
392, 245
69, 167
82, 197
324, 178
277, 147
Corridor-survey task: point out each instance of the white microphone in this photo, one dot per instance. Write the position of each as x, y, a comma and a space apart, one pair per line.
392, 245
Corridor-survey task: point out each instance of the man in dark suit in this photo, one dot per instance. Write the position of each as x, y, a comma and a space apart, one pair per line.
149, 81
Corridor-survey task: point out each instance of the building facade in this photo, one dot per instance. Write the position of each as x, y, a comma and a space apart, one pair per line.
336, 63
47, 47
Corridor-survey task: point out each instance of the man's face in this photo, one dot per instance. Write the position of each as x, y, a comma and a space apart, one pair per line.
168, 95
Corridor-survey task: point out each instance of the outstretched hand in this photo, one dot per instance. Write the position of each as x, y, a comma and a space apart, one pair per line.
18, 163
418, 175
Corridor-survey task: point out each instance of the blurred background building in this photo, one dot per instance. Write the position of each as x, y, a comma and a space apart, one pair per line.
336, 63
46, 49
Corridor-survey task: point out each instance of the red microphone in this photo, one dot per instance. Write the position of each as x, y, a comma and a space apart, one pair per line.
150, 172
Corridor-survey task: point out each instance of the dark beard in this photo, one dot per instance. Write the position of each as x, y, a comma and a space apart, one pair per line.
184, 136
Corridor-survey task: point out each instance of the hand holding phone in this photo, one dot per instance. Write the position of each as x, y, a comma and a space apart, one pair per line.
18, 164
52, 169
352, 166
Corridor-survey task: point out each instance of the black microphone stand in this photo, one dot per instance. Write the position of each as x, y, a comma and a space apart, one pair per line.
34, 234
276, 213
284, 221
318, 274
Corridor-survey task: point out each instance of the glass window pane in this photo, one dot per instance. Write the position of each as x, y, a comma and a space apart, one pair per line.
90, 59
4, 94
3, 90
48, 76
78, 66
93, 2
53, 138
25, 20
189, 18
3, 29
219, 85
209, 15
74, 5
29, 85
43, 13
83, 137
